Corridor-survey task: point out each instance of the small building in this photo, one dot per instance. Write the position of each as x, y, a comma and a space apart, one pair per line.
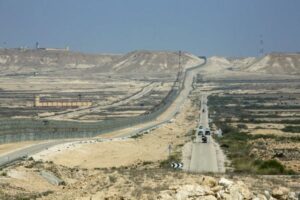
38, 102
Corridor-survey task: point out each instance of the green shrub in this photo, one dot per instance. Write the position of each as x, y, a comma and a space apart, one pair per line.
292, 129
242, 126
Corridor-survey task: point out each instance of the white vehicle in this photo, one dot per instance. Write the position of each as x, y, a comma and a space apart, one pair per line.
200, 132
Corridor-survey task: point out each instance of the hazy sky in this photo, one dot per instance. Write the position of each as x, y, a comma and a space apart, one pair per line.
203, 27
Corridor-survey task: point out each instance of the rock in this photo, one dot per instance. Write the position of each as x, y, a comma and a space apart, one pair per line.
190, 191
267, 194
244, 190
165, 195
209, 197
225, 182
209, 181
216, 188
261, 197
281, 193
236, 191
292, 196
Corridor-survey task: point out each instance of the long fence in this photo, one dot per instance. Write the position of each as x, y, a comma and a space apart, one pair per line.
16, 130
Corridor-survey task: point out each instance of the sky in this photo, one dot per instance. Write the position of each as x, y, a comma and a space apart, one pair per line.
202, 27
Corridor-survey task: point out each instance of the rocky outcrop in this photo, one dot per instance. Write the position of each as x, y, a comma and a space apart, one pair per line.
224, 189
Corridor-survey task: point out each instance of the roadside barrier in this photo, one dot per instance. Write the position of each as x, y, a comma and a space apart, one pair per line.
17, 130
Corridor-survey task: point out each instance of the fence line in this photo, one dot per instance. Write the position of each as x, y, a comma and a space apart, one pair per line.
18, 130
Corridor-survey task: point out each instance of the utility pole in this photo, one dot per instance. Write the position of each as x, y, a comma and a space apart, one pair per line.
179, 69
261, 46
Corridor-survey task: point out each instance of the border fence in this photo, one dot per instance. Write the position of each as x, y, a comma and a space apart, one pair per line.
17, 130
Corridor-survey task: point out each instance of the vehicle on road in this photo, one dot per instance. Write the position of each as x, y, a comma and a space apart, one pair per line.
200, 132
207, 131
204, 139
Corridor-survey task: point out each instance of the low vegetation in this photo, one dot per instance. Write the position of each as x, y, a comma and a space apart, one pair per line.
236, 145
174, 157
291, 129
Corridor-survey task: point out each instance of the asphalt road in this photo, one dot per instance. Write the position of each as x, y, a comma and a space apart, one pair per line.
204, 156
13, 156
163, 118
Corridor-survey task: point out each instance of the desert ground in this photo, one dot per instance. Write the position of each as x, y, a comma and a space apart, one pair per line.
257, 111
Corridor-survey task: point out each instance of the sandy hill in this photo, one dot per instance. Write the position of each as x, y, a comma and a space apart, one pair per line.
28, 61
16, 61
277, 63
153, 62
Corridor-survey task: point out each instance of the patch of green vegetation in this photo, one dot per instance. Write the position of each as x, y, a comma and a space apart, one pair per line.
271, 167
175, 157
237, 148
242, 126
136, 136
291, 129
3, 173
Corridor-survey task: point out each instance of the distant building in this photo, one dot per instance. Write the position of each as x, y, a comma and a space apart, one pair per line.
54, 49
37, 46
38, 102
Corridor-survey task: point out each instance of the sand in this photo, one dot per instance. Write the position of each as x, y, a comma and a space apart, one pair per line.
153, 146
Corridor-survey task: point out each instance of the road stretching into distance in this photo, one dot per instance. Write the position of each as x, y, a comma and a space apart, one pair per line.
205, 156
165, 117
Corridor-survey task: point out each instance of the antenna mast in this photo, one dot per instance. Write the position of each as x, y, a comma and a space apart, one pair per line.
261, 47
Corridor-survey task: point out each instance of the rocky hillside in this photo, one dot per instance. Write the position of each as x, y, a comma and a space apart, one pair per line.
41, 61
153, 62
18, 61
142, 181
277, 63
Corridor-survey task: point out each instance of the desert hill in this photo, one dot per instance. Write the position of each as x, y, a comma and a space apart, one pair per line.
153, 62
18, 61
277, 63
41, 61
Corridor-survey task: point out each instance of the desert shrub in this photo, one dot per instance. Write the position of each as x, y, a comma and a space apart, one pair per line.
172, 158
112, 179
235, 144
292, 129
242, 126
3, 173
147, 162
271, 167
136, 136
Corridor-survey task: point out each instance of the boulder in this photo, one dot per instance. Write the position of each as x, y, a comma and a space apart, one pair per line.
280, 193
242, 189
293, 196
225, 182
260, 197
187, 191
209, 181
216, 188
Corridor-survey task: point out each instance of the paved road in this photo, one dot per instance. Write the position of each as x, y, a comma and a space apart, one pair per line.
163, 118
10, 157
204, 156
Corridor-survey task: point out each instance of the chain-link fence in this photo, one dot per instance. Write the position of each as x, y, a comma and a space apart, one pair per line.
16, 130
